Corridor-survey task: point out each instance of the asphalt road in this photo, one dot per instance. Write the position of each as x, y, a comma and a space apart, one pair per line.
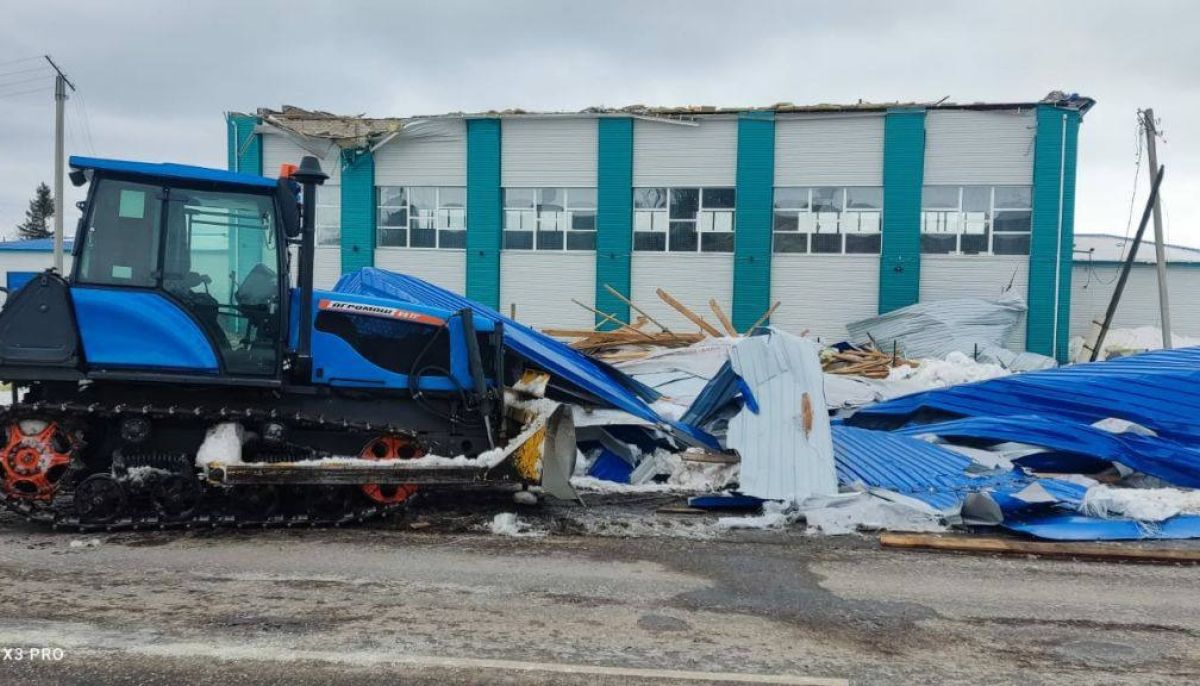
447, 605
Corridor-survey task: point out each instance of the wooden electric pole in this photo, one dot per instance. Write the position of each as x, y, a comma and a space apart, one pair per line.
60, 100
1160, 246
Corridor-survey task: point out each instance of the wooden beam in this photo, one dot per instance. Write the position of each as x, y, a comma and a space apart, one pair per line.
989, 545
765, 317
609, 318
685, 311
635, 308
720, 314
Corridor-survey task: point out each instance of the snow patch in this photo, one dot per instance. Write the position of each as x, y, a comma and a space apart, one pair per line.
1142, 504
222, 443
85, 543
849, 513
957, 368
509, 524
775, 515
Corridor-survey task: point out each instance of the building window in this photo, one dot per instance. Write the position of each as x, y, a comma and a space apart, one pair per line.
976, 220
683, 219
549, 218
421, 217
828, 220
328, 221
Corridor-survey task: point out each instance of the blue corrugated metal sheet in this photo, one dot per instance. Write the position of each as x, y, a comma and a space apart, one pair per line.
1159, 390
35, 245
1175, 462
1073, 527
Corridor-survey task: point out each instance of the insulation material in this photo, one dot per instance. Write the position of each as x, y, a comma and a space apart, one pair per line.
784, 436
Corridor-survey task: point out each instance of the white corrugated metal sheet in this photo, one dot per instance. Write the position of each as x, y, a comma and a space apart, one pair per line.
979, 147
667, 154
327, 266
829, 150
548, 152
542, 284
429, 152
949, 277
445, 268
1092, 287
1106, 247
279, 148
692, 278
850, 288
786, 445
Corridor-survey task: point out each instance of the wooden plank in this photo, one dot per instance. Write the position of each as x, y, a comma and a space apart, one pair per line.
635, 308
721, 317
989, 545
607, 317
687, 312
765, 317
710, 458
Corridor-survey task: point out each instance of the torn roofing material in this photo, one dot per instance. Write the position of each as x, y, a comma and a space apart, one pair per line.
588, 380
1159, 390
1172, 461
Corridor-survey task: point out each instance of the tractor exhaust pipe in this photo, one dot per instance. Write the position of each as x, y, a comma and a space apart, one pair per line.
309, 175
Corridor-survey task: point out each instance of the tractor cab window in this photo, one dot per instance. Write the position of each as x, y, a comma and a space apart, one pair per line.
221, 261
120, 243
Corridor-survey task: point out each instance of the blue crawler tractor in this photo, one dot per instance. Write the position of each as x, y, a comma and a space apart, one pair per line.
190, 307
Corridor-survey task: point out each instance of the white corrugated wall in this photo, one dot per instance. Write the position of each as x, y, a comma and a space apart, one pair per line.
278, 149
821, 293
666, 154
691, 278
542, 284
829, 150
428, 152
445, 268
1092, 287
964, 147
548, 152
946, 277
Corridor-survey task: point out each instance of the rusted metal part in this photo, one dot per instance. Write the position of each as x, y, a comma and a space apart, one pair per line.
330, 473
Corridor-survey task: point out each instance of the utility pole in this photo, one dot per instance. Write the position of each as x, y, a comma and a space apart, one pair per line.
60, 100
1160, 248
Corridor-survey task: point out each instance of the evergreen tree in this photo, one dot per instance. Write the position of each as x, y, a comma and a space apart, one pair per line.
41, 209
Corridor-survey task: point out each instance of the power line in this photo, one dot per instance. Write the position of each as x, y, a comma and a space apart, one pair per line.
23, 59
34, 90
42, 68
87, 123
30, 80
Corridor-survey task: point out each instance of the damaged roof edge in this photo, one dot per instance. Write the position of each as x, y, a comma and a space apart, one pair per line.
362, 131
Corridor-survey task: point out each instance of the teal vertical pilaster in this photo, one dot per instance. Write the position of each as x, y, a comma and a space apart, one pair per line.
483, 211
614, 215
903, 175
358, 210
1053, 226
752, 236
244, 146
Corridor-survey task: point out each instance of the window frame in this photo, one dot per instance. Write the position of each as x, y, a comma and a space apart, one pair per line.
960, 215
564, 219
704, 214
407, 208
809, 228
323, 197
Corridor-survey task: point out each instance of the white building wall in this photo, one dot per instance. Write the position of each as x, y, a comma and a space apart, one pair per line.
548, 152
28, 261
979, 147
829, 150
672, 154
1092, 287
428, 152
947, 277
542, 284
822, 293
278, 149
691, 278
445, 268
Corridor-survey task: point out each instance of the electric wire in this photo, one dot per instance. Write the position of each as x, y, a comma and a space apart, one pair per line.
34, 90
23, 59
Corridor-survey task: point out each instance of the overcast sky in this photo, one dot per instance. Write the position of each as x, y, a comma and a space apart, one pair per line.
155, 77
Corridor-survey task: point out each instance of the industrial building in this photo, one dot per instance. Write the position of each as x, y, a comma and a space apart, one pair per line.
836, 212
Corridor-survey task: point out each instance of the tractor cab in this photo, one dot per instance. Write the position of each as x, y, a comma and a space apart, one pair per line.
186, 274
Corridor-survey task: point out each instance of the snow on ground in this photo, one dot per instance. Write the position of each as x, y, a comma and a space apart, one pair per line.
1144, 504
222, 443
509, 524
1128, 341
